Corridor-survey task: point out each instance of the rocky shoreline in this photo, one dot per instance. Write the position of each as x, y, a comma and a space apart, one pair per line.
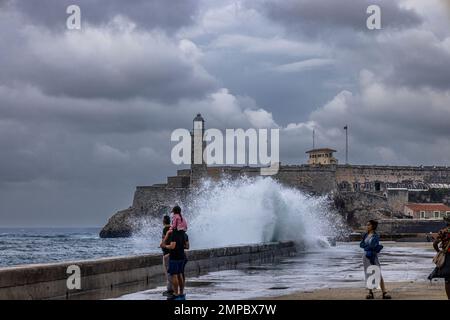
119, 225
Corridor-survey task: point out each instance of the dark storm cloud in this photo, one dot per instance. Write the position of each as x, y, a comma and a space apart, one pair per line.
404, 53
97, 141
327, 16
414, 58
417, 59
147, 14
85, 116
51, 175
111, 62
387, 124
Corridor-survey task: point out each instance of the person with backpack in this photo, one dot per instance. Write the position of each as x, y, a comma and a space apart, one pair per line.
372, 247
442, 258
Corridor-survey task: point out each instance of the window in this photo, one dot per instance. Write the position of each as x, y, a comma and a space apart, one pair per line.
422, 215
437, 214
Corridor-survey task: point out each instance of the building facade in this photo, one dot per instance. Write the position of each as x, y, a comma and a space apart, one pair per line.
323, 156
426, 210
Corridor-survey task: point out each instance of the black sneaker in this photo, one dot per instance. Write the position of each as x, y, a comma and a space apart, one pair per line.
167, 293
171, 297
386, 296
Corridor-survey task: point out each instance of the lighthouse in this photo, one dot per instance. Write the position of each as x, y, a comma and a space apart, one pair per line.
198, 145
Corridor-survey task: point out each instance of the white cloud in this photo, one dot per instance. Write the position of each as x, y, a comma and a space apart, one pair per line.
260, 118
304, 65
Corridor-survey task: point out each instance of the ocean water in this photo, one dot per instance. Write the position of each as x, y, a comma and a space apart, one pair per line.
20, 246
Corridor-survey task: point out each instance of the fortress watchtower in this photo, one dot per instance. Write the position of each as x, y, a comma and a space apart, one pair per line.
322, 156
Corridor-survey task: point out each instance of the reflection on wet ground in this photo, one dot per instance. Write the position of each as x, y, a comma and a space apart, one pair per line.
339, 266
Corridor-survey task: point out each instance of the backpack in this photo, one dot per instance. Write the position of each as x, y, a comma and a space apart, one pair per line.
439, 258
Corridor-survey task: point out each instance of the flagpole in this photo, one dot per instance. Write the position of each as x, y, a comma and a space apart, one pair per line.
346, 144
314, 139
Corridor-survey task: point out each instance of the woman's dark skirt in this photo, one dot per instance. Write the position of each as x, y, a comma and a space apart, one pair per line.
443, 272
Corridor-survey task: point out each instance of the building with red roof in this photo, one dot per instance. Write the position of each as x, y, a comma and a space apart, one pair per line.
426, 210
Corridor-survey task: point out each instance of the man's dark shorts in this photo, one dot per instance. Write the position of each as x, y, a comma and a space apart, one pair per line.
176, 267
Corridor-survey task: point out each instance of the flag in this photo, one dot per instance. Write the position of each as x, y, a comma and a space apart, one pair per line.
346, 127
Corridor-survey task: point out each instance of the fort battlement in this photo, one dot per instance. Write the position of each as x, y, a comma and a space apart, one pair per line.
328, 178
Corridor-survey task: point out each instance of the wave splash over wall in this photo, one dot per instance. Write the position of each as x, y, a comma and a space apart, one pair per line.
254, 210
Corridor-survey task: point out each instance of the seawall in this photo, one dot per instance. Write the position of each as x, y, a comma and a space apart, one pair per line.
112, 277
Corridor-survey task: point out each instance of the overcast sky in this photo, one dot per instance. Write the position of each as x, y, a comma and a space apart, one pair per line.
86, 115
